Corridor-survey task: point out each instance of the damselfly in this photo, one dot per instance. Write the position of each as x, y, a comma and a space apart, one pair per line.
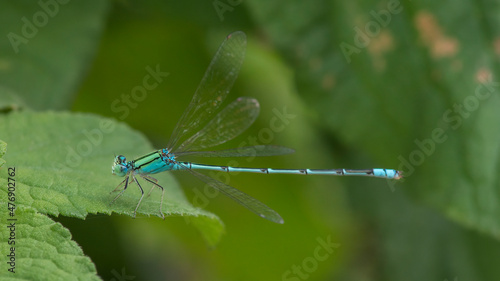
201, 126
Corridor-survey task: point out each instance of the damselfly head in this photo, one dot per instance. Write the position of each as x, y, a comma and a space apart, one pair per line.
119, 167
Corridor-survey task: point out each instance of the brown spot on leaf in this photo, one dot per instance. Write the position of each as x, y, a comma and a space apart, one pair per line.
483, 75
315, 64
328, 81
433, 36
380, 45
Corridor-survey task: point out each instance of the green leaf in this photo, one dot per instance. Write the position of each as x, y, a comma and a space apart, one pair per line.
438, 248
63, 163
416, 93
42, 248
49, 43
407, 85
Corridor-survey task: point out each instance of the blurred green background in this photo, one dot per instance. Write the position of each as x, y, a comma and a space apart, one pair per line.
395, 84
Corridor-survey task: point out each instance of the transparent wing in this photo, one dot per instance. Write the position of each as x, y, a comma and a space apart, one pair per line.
213, 88
243, 199
225, 126
246, 151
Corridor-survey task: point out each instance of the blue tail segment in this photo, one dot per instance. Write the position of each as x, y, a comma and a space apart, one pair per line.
377, 173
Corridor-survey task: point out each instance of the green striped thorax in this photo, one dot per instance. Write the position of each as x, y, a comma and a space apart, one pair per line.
120, 166
151, 163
